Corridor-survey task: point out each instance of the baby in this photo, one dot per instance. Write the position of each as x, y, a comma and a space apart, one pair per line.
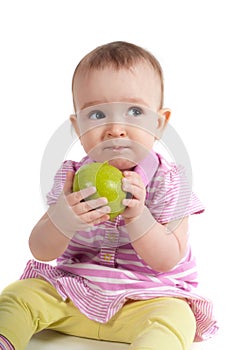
131, 279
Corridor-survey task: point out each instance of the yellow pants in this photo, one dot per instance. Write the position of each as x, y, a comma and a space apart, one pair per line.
29, 306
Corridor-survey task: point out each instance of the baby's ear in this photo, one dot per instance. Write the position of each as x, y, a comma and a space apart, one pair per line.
74, 122
163, 118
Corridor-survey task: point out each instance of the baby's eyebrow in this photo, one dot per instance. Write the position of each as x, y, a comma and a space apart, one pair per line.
91, 103
136, 100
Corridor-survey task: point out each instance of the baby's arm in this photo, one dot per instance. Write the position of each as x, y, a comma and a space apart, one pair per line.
51, 235
46, 242
160, 246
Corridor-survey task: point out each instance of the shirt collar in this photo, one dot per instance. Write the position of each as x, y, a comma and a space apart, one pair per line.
147, 167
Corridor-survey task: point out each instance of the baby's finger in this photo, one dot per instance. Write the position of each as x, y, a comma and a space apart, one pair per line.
76, 197
137, 192
86, 206
130, 203
134, 178
96, 216
101, 219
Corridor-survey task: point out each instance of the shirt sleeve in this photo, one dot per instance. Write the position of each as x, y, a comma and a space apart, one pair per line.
59, 181
173, 197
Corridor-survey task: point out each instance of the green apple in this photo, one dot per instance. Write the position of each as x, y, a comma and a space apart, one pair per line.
108, 181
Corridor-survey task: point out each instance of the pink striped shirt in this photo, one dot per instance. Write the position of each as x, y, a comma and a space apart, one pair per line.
100, 270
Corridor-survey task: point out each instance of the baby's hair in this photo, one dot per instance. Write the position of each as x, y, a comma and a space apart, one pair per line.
118, 54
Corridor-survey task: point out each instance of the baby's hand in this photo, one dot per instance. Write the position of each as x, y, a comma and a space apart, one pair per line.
132, 183
73, 213
92, 211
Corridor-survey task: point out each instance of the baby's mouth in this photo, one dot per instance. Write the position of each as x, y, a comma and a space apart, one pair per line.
116, 148
117, 145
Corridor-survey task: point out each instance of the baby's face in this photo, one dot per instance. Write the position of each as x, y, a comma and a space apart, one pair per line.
134, 90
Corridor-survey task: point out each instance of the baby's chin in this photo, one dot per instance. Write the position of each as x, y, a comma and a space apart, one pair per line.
122, 164
124, 154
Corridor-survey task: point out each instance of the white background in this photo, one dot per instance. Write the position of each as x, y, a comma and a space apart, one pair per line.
41, 44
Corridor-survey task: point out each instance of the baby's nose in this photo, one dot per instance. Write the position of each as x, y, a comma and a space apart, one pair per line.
115, 130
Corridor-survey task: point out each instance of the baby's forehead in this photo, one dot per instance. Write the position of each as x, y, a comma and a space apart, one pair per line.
85, 72
111, 84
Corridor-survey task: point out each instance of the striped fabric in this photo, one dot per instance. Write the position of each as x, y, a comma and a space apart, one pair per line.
5, 344
100, 270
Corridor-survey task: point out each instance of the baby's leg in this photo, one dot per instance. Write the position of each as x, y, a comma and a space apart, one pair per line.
23, 305
170, 326
156, 324
31, 305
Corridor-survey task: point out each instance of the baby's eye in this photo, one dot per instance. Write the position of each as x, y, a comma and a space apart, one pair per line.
95, 115
135, 111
